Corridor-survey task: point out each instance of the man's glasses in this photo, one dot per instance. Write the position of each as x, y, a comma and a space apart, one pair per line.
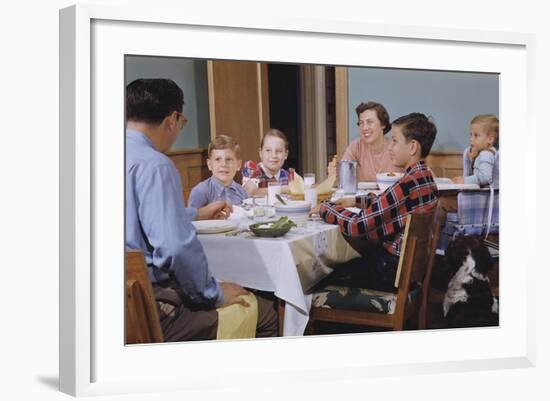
183, 117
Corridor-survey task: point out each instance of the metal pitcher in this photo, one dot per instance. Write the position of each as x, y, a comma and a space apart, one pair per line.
347, 176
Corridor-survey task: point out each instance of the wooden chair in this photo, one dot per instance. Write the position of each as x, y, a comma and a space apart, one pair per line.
142, 320
415, 266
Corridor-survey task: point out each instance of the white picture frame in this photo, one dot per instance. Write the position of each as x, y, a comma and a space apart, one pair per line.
93, 358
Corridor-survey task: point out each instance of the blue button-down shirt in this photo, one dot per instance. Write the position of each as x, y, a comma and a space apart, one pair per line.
158, 222
211, 190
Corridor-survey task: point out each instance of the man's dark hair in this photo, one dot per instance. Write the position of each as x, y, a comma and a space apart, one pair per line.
420, 128
152, 100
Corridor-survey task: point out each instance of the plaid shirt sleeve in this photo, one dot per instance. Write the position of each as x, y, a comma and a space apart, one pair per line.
380, 217
383, 217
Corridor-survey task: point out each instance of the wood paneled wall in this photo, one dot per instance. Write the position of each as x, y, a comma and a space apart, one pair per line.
445, 164
191, 164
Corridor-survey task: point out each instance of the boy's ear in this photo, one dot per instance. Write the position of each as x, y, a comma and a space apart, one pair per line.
491, 137
414, 147
239, 164
209, 164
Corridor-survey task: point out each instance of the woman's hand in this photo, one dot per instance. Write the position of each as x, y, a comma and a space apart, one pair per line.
332, 170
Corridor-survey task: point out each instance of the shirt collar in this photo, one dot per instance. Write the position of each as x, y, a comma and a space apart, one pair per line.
219, 187
276, 176
419, 165
138, 136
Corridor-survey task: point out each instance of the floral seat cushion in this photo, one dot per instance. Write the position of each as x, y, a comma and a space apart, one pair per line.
359, 299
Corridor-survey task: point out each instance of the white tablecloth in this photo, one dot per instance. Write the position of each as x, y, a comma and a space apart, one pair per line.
443, 184
288, 265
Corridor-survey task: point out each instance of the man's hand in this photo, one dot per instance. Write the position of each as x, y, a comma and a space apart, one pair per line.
458, 180
345, 202
231, 294
219, 210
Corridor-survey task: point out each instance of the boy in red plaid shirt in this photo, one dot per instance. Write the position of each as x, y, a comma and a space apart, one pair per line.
382, 217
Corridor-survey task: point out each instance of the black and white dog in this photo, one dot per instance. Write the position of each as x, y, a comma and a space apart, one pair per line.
469, 301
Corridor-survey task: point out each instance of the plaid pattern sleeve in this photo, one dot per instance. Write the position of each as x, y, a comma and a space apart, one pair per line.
382, 218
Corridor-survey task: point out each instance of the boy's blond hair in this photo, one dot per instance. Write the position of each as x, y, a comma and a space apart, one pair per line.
224, 142
490, 123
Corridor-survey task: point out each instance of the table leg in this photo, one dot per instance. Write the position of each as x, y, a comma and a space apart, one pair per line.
281, 315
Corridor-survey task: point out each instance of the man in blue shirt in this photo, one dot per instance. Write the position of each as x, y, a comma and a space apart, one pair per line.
158, 222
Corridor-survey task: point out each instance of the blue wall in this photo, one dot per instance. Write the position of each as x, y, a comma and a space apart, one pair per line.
191, 76
451, 98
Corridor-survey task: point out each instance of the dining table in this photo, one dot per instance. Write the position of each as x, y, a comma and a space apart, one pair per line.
289, 265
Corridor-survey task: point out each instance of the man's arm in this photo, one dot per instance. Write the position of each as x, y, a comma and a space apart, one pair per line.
170, 232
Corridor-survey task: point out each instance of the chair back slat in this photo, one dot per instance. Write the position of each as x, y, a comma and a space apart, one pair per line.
142, 320
420, 226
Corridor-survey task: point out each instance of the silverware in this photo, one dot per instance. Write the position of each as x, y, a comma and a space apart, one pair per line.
280, 199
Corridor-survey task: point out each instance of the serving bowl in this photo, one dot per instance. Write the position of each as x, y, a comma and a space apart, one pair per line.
297, 210
266, 228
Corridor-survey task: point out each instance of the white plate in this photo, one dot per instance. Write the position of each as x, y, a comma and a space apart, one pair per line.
367, 185
293, 205
214, 226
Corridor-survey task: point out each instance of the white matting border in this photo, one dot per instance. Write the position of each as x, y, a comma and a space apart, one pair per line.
93, 42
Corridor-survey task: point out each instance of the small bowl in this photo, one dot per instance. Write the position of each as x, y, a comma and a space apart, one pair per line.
269, 232
385, 180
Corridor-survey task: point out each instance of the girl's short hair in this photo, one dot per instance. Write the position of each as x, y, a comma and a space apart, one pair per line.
490, 124
223, 142
381, 113
276, 133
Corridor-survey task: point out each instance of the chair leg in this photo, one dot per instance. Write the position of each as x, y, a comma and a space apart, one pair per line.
422, 313
310, 328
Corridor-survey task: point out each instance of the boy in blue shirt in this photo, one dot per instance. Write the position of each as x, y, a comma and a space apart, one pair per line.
223, 161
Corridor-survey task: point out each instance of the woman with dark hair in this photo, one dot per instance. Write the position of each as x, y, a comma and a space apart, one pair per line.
371, 149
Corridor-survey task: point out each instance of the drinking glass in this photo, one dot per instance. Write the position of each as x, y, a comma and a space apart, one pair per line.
309, 179
310, 195
273, 188
259, 208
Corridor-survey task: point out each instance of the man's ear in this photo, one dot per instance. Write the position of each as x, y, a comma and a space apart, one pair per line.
239, 164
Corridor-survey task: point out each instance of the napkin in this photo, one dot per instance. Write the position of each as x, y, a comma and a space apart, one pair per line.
297, 187
238, 321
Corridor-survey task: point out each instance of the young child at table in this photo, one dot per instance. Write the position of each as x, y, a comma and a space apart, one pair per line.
223, 161
482, 152
273, 153
381, 219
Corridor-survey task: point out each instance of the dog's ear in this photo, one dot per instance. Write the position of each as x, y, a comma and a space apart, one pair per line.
484, 261
456, 253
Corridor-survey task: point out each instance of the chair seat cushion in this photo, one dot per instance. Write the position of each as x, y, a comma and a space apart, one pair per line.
359, 299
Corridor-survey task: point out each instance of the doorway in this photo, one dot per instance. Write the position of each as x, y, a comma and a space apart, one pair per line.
288, 107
